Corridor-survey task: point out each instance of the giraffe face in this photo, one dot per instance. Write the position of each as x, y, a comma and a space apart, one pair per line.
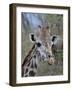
42, 49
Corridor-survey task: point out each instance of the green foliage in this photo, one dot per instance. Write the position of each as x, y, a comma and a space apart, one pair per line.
56, 23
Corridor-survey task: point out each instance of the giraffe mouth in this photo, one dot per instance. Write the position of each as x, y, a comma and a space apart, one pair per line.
51, 61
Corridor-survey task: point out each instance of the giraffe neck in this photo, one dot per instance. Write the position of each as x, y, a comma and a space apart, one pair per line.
30, 69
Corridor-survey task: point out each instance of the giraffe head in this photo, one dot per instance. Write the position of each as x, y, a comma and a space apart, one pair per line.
42, 47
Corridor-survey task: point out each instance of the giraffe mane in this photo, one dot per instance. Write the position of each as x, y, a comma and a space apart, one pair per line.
27, 58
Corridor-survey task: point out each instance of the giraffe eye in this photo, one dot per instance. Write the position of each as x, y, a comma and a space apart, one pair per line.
39, 26
49, 56
38, 44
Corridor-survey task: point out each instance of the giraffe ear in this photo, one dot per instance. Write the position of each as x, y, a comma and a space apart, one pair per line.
53, 38
32, 37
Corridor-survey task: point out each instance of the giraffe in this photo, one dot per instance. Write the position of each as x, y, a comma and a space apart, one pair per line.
41, 51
